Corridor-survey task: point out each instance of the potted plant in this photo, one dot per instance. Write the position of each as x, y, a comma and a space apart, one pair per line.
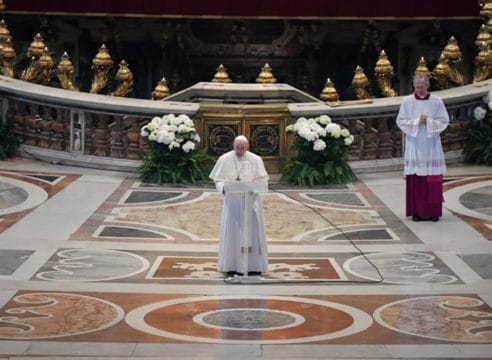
320, 153
173, 155
478, 148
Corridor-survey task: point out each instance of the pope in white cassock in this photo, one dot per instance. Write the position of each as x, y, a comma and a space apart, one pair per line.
242, 213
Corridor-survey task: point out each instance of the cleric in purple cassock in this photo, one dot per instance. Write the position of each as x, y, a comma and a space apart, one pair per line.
422, 117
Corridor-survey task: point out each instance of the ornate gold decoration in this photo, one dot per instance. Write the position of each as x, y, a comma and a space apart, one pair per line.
4, 32
422, 68
440, 73
329, 92
360, 83
452, 51
7, 59
36, 47
452, 54
41, 67
221, 75
34, 52
65, 73
486, 10
384, 73
266, 76
221, 138
101, 64
265, 140
483, 37
7, 52
488, 25
483, 63
161, 90
124, 77
45, 66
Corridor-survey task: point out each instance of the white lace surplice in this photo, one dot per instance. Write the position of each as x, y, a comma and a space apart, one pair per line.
423, 149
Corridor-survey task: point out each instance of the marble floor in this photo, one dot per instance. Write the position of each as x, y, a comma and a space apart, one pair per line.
96, 265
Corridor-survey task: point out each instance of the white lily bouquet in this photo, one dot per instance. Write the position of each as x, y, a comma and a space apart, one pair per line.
320, 152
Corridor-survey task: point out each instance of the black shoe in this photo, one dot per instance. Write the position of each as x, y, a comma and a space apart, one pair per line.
434, 218
416, 218
254, 273
233, 273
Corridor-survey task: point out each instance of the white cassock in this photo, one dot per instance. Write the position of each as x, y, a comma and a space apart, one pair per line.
236, 210
423, 150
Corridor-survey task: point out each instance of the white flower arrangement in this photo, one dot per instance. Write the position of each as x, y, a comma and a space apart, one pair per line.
319, 130
320, 153
479, 113
177, 132
481, 110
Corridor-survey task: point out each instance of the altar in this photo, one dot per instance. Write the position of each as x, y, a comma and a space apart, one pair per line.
258, 111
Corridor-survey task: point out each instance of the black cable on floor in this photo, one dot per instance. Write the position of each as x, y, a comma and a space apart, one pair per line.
307, 281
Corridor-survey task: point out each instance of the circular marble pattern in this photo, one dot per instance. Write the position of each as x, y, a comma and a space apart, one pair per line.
478, 200
471, 199
94, 265
248, 319
17, 195
54, 315
450, 318
11, 195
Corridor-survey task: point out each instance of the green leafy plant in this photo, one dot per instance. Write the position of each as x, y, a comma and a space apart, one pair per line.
8, 142
478, 148
173, 155
320, 153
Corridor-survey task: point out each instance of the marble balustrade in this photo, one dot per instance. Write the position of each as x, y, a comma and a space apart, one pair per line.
61, 125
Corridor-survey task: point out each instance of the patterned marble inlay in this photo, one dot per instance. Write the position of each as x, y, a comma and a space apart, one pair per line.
366, 234
478, 200
140, 196
187, 217
319, 216
93, 265
451, 318
50, 179
11, 195
17, 195
128, 232
22, 192
472, 198
175, 267
245, 318
53, 315
400, 268
480, 263
10, 260
249, 319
